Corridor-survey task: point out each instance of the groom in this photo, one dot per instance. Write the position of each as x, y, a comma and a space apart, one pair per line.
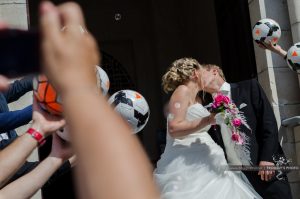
251, 99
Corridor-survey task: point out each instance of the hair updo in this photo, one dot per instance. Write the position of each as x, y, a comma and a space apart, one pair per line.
179, 72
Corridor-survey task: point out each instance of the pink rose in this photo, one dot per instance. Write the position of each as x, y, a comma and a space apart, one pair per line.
217, 104
232, 111
235, 137
218, 99
240, 141
226, 100
236, 122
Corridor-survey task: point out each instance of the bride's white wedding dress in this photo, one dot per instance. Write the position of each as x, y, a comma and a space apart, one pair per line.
194, 167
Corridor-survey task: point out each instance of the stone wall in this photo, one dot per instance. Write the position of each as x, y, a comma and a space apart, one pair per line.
279, 82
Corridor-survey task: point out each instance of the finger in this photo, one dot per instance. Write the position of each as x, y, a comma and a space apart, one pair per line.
62, 123
262, 46
60, 120
4, 83
3, 25
265, 45
71, 15
77, 28
56, 125
50, 21
270, 176
262, 176
267, 173
273, 174
35, 105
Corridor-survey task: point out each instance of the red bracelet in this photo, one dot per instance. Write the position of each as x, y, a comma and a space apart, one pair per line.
37, 136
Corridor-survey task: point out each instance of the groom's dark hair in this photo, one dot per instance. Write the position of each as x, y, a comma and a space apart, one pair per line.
212, 66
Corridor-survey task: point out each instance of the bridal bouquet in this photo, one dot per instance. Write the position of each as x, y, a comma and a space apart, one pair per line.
231, 116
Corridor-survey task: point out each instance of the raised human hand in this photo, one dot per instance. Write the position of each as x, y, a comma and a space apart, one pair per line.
274, 48
44, 122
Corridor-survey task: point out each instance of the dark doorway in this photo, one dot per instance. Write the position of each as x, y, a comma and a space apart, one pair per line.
235, 38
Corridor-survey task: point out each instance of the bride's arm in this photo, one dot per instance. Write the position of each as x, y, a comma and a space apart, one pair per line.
178, 126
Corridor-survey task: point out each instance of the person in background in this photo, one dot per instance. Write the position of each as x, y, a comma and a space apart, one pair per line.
14, 155
10, 120
20, 188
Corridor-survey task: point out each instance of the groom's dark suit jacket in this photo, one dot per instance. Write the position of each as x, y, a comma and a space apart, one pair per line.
264, 132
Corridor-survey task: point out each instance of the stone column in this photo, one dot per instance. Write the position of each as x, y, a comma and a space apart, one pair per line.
15, 13
294, 14
279, 82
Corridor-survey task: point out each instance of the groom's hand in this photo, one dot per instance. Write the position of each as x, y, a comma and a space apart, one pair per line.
266, 174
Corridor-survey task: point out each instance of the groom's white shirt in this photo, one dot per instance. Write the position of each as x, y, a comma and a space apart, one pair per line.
225, 89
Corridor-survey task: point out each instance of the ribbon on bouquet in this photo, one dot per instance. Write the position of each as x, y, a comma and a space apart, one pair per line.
237, 154
230, 119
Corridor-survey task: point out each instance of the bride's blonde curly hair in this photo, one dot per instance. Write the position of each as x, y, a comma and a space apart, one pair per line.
180, 71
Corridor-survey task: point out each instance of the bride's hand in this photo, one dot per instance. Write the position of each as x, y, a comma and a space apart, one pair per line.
220, 117
212, 119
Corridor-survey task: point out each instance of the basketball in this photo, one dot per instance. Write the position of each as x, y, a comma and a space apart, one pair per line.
46, 95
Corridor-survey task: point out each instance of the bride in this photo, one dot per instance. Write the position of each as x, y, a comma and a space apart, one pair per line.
193, 166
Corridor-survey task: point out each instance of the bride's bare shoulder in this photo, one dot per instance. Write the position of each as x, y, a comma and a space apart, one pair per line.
181, 95
182, 90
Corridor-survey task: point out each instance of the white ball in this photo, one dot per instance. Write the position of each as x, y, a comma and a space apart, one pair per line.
102, 80
266, 31
64, 134
293, 57
133, 107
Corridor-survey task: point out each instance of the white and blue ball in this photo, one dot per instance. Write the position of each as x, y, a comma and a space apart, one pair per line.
266, 31
133, 107
102, 80
293, 57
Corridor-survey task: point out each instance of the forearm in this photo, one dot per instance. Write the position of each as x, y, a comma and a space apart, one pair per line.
25, 168
281, 52
109, 155
29, 184
183, 128
14, 156
14, 119
268, 147
18, 88
63, 169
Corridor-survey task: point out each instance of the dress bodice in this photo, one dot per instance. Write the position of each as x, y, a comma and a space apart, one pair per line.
197, 111
194, 112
